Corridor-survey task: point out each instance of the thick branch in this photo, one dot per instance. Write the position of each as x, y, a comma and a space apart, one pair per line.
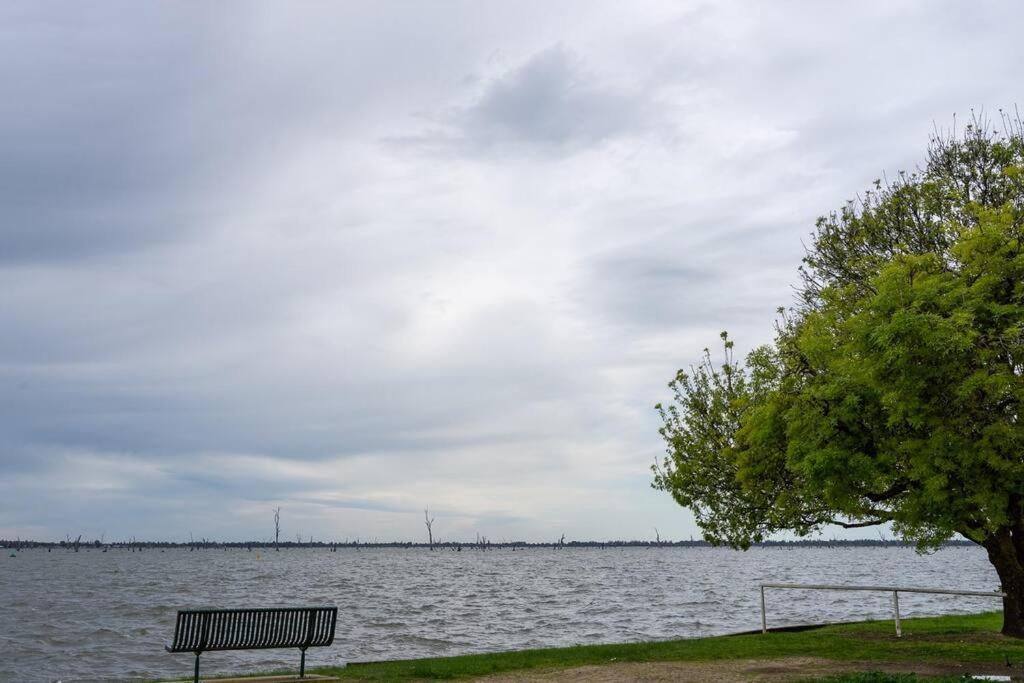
900, 486
858, 525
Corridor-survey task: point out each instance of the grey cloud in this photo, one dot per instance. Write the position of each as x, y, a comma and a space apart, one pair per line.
550, 103
205, 256
653, 292
92, 161
223, 393
360, 504
127, 126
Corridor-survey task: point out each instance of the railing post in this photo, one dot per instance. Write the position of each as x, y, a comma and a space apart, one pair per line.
764, 617
896, 612
302, 664
195, 678
895, 590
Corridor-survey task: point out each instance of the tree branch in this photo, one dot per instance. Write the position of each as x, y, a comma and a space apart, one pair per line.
899, 486
858, 525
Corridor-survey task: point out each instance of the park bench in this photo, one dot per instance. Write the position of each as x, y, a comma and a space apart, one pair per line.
206, 630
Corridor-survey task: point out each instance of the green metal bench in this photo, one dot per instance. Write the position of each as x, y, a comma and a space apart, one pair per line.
207, 630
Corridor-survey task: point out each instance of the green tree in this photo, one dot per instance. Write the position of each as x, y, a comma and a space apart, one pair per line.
894, 390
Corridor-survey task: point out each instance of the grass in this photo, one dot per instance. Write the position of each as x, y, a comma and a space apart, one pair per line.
877, 677
956, 639
970, 639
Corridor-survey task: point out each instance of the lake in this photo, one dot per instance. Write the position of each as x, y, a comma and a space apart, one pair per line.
93, 615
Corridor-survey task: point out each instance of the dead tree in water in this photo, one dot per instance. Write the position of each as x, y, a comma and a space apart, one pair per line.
429, 521
277, 527
657, 536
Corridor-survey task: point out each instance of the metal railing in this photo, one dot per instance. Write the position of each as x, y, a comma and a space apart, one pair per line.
886, 589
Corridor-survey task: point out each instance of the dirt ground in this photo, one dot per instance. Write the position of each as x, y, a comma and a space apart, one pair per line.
782, 669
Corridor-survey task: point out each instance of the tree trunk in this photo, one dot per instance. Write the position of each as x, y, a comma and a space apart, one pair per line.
1006, 552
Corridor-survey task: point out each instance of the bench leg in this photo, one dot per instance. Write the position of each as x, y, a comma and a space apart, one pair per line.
195, 678
302, 664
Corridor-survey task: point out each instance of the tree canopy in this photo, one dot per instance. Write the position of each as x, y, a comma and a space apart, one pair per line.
893, 390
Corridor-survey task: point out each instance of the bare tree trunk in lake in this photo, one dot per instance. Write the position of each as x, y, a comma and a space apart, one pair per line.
429, 521
277, 527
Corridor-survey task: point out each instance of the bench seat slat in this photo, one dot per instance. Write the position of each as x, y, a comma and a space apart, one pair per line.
295, 632
259, 632
317, 633
248, 624
193, 634
257, 628
226, 635
280, 629
214, 640
298, 627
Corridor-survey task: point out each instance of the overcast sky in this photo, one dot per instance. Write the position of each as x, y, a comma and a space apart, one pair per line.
356, 260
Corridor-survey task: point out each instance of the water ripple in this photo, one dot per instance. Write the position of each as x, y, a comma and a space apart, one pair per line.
90, 616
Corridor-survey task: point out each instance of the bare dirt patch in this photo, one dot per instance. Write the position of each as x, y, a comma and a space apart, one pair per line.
730, 671
788, 668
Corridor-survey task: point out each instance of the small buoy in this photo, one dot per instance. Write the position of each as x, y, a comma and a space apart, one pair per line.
257, 556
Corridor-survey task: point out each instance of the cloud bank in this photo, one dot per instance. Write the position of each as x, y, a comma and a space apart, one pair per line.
357, 261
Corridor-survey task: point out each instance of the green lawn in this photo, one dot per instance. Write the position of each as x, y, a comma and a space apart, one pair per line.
886, 678
971, 639
967, 639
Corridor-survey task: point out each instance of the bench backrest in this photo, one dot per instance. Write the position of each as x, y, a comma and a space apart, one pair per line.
253, 629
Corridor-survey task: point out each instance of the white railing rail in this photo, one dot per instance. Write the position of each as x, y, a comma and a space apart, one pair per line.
886, 589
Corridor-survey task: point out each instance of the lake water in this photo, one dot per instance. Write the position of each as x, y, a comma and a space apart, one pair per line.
95, 616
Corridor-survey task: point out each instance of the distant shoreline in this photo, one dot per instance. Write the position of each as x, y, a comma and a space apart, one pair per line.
18, 544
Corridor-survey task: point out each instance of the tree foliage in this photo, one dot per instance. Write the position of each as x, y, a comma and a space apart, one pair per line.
893, 391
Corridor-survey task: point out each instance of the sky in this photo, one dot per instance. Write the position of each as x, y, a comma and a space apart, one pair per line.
355, 260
